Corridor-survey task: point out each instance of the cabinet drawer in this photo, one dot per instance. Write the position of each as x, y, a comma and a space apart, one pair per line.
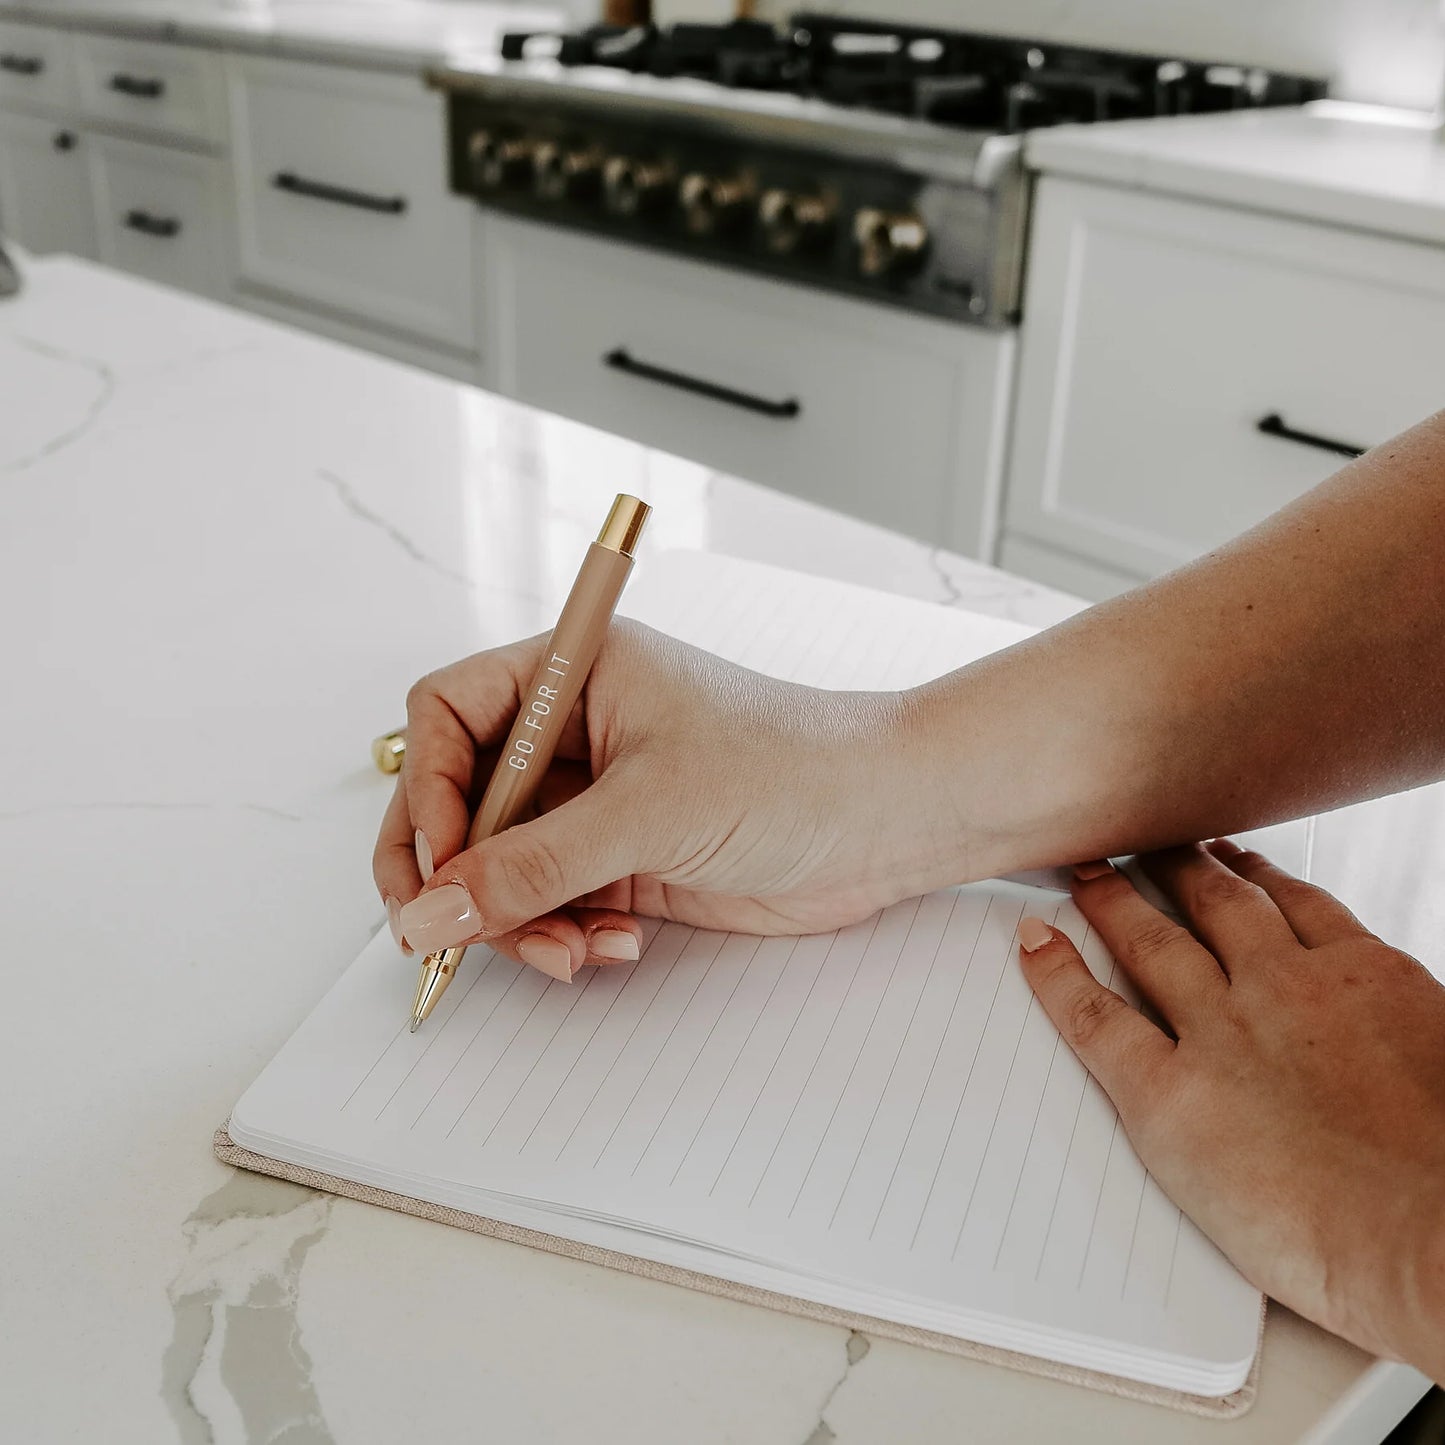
341, 196
36, 66
163, 214
892, 418
169, 89
1185, 367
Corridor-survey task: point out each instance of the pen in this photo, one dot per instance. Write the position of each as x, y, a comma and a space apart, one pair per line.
547, 703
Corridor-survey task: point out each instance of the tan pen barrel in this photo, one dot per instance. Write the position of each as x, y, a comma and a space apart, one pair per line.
546, 704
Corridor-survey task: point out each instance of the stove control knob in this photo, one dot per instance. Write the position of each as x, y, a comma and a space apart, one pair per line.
499, 161
635, 188
566, 172
712, 205
793, 222
890, 243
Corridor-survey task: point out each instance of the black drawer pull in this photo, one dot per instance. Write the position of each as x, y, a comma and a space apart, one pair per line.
149, 225
139, 88
620, 359
22, 64
320, 191
1273, 425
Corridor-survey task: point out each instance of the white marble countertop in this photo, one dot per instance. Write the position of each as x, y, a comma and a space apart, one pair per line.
228, 548
406, 34
1346, 165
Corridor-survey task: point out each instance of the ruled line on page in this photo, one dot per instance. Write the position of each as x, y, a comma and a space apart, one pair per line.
862, 1047
742, 1049
696, 1058
577, 997
581, 1054
933, 1065
893, 1067
501, 1053
963, 1092
456, 1063
822, 1049
632, 1033
662, 1048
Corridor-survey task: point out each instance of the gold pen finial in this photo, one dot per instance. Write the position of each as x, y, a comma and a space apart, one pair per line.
624, 524
388, 750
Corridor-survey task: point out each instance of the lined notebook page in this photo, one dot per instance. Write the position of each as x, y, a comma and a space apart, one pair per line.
881, 1118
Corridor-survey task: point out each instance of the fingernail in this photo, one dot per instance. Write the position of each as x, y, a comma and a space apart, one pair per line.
547, 956
614, 943
1096, 868
393, 918
1227, 846
423, 857
440, 919
1034, 933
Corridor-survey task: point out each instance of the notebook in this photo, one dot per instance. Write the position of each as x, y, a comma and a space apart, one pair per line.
878, 1125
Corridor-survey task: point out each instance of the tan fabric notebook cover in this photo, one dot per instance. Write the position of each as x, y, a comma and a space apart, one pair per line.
1221, 1409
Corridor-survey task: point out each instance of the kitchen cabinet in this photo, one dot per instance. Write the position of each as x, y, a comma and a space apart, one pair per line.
342, 199
893, 417
163, 214
45, 195
1185, 367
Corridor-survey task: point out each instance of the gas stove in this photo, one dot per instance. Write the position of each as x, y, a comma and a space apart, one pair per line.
876, 160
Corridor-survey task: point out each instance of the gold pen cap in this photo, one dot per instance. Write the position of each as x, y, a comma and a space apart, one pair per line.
388, 750
623, 525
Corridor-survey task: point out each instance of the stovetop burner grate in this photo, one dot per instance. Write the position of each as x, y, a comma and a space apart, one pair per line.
948, 77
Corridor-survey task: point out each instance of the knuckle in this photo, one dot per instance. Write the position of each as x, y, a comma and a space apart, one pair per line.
1090, 1014
1150, 938
1218, 889
531, 870
418, 694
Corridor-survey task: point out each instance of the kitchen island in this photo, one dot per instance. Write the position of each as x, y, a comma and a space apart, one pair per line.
228, 549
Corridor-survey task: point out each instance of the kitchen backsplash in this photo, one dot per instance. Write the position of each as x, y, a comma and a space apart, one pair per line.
1391, 52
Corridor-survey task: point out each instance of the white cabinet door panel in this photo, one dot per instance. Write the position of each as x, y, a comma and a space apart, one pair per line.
163, 214
342, 199
45, 198
891, 417
1159, 333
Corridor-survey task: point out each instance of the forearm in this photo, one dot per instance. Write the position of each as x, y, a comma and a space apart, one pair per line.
1296, 669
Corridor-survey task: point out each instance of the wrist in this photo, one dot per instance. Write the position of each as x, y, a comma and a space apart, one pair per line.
1419, 1336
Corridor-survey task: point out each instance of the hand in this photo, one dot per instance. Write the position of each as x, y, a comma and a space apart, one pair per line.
684, 787
1295, 1106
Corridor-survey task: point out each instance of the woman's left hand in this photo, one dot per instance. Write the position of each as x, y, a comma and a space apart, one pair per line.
1295, 1107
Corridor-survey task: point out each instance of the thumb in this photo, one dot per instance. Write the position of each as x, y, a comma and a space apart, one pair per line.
531, 869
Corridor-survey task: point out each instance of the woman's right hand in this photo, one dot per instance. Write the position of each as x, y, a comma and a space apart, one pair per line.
684, 787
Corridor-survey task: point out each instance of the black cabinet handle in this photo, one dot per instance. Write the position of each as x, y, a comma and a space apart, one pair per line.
141, 89
22, 64
64, 140
149, 225
321, 191
1273, 425
620, 359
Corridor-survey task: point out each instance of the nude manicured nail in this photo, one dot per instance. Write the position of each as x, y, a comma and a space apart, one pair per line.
1096, 868
547, 956
440, 919
1225, 847
423, 857
393, 919
615, 943
1034, 933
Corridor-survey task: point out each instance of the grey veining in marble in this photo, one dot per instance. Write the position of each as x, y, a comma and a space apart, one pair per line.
237, 1367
